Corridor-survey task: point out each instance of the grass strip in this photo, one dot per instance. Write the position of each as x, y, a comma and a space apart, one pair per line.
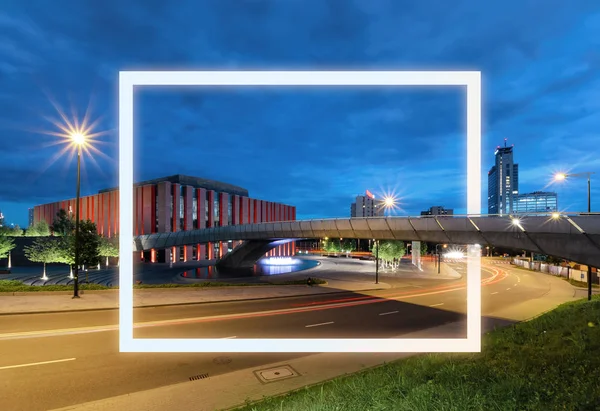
12, 286
548, 363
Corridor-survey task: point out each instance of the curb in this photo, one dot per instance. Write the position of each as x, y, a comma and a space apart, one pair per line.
158, 289
181, 304
27, 293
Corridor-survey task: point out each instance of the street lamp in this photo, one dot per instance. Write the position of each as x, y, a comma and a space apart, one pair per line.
79, 140
439, 257
389, 202
376, 261
588, 175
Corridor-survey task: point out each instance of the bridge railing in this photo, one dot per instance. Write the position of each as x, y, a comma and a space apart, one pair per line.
553, 214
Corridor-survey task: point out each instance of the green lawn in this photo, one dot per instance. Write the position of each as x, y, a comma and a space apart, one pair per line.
549, 363
17, 286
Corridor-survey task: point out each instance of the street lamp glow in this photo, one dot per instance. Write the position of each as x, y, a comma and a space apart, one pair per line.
560, 176
389, 201
78, 138
516, 221
555, 216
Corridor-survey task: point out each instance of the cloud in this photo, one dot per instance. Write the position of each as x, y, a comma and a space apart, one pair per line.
312, 148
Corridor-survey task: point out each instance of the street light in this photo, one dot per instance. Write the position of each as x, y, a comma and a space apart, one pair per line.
389, 202
79, 140
439, 257
588, 175
376, 261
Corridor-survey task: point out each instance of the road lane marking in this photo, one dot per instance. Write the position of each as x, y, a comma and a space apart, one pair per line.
391, 312
515, 284
184, 321
36, 363
495, 293
436, 305
318, 325
229, 338
508, 289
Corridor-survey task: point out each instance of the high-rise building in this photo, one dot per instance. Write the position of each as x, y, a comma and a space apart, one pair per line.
30, 217
536, 202
367, 206
503, 181
438, 210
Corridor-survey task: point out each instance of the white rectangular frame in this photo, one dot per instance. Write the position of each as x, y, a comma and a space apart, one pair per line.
471, 80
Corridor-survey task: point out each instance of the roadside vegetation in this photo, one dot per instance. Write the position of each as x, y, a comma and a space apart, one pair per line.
548, 363
12, 286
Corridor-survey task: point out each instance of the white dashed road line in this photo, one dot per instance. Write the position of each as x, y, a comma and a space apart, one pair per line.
35, 363
508, 289
495, 293
317, 325
229, 338
391, 312
436, 305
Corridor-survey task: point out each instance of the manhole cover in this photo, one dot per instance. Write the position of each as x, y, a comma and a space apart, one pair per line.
222, 360
276, 374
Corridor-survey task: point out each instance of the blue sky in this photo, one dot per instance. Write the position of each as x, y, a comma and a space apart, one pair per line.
312, 148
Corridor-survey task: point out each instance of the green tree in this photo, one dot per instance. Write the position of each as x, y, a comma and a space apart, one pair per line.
424, 249
348, 245
6, 245
331, 246
63, 224
108, 247
39, 229
14, 231
390, 252
89, 241
45, 250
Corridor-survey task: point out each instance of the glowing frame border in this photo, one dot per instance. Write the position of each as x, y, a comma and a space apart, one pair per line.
129, 79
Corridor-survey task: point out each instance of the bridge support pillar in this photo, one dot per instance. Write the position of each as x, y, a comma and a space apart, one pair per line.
416, 254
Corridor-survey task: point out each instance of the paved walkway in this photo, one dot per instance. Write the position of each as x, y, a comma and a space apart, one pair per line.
109, 299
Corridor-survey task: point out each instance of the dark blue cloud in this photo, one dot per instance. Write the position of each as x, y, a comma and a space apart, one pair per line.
314, 148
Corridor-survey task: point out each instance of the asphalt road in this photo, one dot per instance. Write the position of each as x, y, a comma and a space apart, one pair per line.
54, 360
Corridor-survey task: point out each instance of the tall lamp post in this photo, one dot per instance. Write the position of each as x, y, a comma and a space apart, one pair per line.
376, 261
79, 140
439, 258
588, 175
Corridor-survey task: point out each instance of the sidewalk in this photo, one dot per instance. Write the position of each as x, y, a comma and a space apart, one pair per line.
109, 299
232, 390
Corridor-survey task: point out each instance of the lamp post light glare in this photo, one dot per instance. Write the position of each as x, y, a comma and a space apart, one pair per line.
588, 175
560, 176
389, 202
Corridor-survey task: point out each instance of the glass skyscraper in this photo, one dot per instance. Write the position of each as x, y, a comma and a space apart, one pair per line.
503, 182
536, 202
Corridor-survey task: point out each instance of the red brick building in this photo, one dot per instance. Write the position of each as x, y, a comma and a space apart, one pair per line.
176, 203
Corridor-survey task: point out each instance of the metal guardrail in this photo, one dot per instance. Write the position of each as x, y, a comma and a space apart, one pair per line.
515, 215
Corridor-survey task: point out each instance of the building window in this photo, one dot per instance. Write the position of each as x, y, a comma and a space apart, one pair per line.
195, 212
181, 213
206, 210
156, 210
229, 210
216, 211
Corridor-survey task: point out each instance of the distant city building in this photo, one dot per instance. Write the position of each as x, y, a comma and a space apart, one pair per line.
367, 206
438, 210
536, 202
30, 217
503, 182
1, 219
176, 203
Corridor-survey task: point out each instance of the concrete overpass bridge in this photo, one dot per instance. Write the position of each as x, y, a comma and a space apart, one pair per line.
572, 236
